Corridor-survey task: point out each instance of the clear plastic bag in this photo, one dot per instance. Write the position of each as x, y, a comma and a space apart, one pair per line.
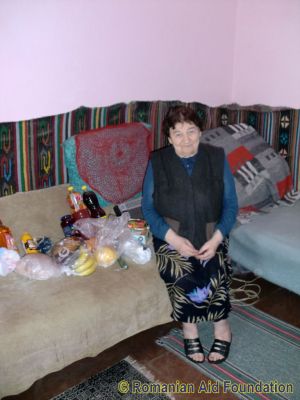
74, 257
66, 251
8, 261
103, 236
133, 249
38, 266
112, 238
89, 227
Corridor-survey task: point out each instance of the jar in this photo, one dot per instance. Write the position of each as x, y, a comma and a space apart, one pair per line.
140, 230
66, 223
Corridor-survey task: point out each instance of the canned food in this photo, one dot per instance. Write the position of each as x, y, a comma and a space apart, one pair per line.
139, 229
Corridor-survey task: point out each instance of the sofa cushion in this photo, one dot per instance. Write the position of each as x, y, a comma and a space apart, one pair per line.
51, 324
111, 161
262, 176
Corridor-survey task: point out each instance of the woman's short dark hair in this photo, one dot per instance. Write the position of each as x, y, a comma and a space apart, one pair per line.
177, 114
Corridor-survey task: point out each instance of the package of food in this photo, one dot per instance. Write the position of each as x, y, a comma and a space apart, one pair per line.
140, 230
74, 256
38, 266
8, 260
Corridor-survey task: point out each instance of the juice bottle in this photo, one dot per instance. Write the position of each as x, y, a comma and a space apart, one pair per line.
29, 244
6, 238
75, 199
91, 201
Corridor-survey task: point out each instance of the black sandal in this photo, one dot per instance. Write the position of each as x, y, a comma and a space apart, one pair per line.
221, 347
193, 346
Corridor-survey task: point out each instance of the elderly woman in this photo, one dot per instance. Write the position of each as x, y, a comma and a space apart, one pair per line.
190, 203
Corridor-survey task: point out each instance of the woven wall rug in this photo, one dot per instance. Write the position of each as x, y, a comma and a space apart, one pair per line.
126, 380
264, 359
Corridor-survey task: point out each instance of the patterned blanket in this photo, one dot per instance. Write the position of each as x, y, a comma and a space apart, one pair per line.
262, 177
31, 153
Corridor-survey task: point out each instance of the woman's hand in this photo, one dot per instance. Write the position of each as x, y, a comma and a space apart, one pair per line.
180, 244
208, 250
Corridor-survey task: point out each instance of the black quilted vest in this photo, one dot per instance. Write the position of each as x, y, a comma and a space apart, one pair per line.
192, 205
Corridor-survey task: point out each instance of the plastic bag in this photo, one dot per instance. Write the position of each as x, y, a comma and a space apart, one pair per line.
111, 238
74, 257
103, 236
8, 260
133, 249
38, 266
66, 251
107, 249
89, 227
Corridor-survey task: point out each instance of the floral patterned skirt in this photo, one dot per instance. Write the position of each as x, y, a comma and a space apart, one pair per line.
198, 290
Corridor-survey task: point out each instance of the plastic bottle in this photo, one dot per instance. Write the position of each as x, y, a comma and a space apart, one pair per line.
29, 244
75, 199
91, 201
6, 238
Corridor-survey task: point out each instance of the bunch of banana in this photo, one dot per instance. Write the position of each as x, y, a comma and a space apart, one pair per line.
85, 264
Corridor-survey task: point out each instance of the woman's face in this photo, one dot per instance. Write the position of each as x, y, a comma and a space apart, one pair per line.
185, 137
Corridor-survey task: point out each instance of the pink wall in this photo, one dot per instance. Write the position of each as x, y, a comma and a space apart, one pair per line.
267, 53
60, 54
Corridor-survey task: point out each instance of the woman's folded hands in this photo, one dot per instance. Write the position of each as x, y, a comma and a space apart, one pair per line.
185, 248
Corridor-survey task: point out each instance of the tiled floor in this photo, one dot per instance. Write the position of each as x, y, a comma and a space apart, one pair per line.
164, 366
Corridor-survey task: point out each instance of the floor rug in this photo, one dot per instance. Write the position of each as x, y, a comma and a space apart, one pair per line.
264, 360
126, 380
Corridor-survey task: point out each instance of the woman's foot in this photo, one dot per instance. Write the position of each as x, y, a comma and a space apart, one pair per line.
220, 349
193, 347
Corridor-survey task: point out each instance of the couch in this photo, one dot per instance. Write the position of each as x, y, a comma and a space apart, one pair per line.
47, 325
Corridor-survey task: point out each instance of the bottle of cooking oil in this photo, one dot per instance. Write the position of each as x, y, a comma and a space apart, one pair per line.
29, 244
6, 238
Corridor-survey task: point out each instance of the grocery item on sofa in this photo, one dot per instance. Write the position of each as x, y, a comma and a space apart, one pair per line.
80, 214
29, 243
110, 237
66, 223
89, 227
64, 251
74, 257
133, 249
91, 201
75, 199
85, 264
44, 244
38, 266
139, 229
6, 237
8, 260
106, 255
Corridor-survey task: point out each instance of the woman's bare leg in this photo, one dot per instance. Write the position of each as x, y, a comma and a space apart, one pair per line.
190, 331
222, 331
